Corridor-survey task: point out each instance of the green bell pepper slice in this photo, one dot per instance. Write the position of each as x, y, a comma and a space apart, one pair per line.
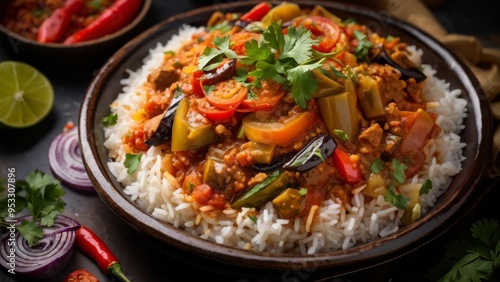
340, 111
187, 134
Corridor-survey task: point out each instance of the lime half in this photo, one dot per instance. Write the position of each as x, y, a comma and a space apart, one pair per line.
26, 95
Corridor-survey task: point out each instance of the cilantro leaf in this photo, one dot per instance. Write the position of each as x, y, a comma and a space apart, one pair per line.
258, 52
303, 83
363, 47
212, 57
377, 166
110, 120
42, 196
473, 258
286, 59
341, 134
303, 191
274, 37
426, 187
398, 200
298, 44
30, 231
399, 171
132, 162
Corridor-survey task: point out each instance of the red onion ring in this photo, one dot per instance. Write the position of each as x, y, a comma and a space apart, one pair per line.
45, 259
65, 160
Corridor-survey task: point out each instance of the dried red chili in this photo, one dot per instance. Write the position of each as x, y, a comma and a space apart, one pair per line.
93, 246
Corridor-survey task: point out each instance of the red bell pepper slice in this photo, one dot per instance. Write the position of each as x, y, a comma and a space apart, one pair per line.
348, 169
256, 13
117, 16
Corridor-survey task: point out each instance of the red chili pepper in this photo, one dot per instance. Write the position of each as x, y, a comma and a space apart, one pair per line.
109, 21
93, 246
256, 13
53, 28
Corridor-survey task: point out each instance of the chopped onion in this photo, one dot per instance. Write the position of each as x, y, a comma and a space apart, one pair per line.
46, 258
65, 160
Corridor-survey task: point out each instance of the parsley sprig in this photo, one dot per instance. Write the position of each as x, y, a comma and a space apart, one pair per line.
42, 196
474, 258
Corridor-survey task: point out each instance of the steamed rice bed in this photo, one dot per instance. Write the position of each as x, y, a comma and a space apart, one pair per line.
331, 226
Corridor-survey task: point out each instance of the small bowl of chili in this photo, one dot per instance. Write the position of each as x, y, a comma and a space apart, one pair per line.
68, 34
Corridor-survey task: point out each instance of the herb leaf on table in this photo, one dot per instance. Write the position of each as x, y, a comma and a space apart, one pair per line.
42, 196
471, 259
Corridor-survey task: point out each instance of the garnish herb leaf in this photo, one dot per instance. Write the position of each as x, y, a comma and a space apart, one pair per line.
212, 57
31, 232
377, 166
132, 162
303, 191
398, 200
399, 171
42, 196
363, 47
253, 218
208, 88
287, 59
110, 120
341, 134
426, 187
270, 178
472, 258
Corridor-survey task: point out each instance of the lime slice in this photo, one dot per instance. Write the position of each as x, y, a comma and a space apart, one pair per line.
26, 95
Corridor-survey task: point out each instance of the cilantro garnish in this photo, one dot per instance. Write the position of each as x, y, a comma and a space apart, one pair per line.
399, 171
341, 134
132, 162
363, 47
110, 120
253, 218
303, 191
286, 59
471, 259
377, 166
398, 200
208, 88
426, 187
212, 57
42, 195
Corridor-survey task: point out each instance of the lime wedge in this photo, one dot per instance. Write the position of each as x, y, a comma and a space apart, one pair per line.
26, 95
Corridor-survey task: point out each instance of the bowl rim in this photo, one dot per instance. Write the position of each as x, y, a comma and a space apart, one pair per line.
404, 240
146, 4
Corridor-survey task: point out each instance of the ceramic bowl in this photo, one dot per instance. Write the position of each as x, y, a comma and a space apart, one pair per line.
75, 57
477, 134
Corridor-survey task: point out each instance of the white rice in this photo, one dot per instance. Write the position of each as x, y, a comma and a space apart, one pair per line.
334, 226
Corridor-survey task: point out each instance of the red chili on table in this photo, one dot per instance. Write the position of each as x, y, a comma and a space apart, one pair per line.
93, 246
109, 21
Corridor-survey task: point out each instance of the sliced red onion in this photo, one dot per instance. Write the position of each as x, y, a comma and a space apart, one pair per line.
43, 260
65, 160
